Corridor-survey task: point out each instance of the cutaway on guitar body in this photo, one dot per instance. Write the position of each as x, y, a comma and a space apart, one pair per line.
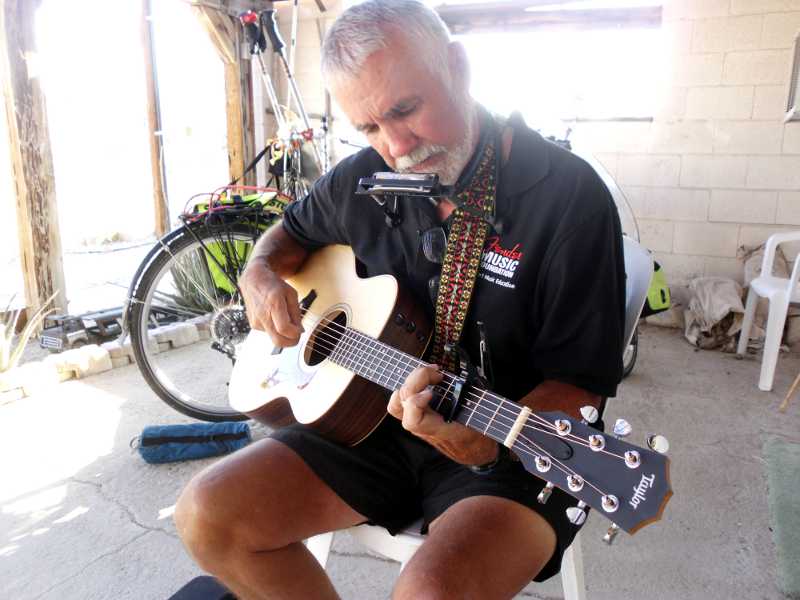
313, 383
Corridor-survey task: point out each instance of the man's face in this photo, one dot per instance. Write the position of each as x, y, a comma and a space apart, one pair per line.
415, 121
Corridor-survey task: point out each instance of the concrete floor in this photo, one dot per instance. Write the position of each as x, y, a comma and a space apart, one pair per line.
83, 517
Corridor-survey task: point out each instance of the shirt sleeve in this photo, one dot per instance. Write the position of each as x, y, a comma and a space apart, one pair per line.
579, 308
315, 221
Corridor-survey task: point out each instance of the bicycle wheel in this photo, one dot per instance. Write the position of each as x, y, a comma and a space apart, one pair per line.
630, 354
187, 315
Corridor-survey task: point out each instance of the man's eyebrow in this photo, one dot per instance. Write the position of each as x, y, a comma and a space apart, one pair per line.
397, 110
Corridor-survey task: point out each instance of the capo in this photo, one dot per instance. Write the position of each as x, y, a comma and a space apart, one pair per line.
470, 375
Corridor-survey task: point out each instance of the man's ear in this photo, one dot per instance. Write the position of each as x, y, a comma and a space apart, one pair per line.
459, 66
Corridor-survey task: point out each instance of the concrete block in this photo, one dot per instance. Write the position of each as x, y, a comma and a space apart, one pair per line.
86, 361
747, 137
121, 361
62, 365
788, 208
770, 102
685, 137
164, 346
719, 102
743, 206
754, 235
11, 395
204, 334
791, 138
649, 170
39, 377
656, 235
762, 67
202, 322
698, 69
671, 203
117, 350
706, 239
678, 36
671, 103
713, 171
774, 172
613, 137
780, 30
727, 34
760, 7
695, 9
11, 379
177, 334
680, 268
733, 268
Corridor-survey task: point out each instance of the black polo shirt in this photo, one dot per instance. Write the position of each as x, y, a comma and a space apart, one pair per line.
551, 286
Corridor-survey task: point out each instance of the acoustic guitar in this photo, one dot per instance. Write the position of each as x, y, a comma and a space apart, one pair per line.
364, 336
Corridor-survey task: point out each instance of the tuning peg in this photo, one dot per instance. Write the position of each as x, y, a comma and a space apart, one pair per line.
563, 427
597, 442
612, 532
610, 503
632, 459
543, 464
658, 443
575, 483
590, 414
622, 428
544, 495
577, 514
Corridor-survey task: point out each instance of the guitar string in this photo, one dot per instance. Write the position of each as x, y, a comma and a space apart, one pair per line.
338, 343
525, 442
510, 413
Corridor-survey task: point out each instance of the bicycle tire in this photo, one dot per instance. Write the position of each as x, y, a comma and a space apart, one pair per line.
630, 354
157, 299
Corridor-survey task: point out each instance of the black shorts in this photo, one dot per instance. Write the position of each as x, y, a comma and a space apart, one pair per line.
393, 478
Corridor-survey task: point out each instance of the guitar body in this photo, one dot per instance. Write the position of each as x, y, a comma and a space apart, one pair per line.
300, 384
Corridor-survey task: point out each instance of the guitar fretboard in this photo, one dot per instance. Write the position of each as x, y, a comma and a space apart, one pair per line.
388, 367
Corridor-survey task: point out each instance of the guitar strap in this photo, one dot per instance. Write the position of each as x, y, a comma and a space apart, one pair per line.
475, 207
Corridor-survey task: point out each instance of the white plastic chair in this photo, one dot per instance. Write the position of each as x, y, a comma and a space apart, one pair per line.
401, 547
780, 292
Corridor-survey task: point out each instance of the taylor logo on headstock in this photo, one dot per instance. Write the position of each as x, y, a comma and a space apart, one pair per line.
640, 491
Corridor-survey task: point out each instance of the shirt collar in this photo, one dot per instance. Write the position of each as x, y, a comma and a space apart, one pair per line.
529, 161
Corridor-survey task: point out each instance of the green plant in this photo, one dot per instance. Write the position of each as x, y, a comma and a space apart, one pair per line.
10, 353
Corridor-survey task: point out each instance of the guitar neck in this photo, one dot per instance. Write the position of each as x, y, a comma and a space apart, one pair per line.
388, 367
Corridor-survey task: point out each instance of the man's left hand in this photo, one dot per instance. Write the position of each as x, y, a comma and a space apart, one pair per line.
410, 403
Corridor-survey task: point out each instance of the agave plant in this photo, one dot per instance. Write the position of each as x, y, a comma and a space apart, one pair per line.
10, 353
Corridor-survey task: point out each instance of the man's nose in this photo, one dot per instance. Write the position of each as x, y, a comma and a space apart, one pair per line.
399, 140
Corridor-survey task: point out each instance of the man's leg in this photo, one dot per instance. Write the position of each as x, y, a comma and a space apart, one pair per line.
243, 520
481, 547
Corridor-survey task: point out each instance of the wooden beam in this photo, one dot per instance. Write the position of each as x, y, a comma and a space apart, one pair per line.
31, 157
156, 140
223, 32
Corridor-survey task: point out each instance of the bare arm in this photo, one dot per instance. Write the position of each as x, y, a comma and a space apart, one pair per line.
459, 443
272, 304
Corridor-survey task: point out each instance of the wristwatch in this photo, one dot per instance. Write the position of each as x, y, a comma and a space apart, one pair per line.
486, 468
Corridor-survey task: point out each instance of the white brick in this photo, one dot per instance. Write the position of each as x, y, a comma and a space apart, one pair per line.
759, 68
698, 69
120, 362
732, 268
649, 170
38, 377
696, 9
706, 239
656, 235
780, 30
177, 334
791, 138
673, 204
724, 35
758, 7
770, 102
788, 208
11, 379
774, 172
719, 103
743, 206
747, 137
684, 137
671, 103
680, 268
613, 137
754, 235
88, 360
677, 36
713, 171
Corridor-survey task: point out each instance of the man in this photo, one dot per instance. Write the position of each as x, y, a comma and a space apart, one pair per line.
549, 292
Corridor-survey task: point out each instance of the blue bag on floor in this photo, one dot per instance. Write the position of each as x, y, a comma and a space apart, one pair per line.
172, 443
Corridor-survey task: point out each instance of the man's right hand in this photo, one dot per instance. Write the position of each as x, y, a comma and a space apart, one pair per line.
272, 304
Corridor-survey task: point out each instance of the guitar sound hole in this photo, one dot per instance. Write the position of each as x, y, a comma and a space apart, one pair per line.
325, 337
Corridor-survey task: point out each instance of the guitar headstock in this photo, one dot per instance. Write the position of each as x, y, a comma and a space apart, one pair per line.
625, 483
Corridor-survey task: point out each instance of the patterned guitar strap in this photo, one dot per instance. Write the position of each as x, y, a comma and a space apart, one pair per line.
475, 206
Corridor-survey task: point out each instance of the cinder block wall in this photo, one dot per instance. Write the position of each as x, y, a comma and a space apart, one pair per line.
716, 168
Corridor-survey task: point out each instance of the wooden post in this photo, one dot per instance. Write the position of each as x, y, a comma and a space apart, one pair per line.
156, 140
31, 157
224, 31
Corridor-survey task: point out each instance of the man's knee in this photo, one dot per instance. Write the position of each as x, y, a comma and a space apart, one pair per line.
422, 586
